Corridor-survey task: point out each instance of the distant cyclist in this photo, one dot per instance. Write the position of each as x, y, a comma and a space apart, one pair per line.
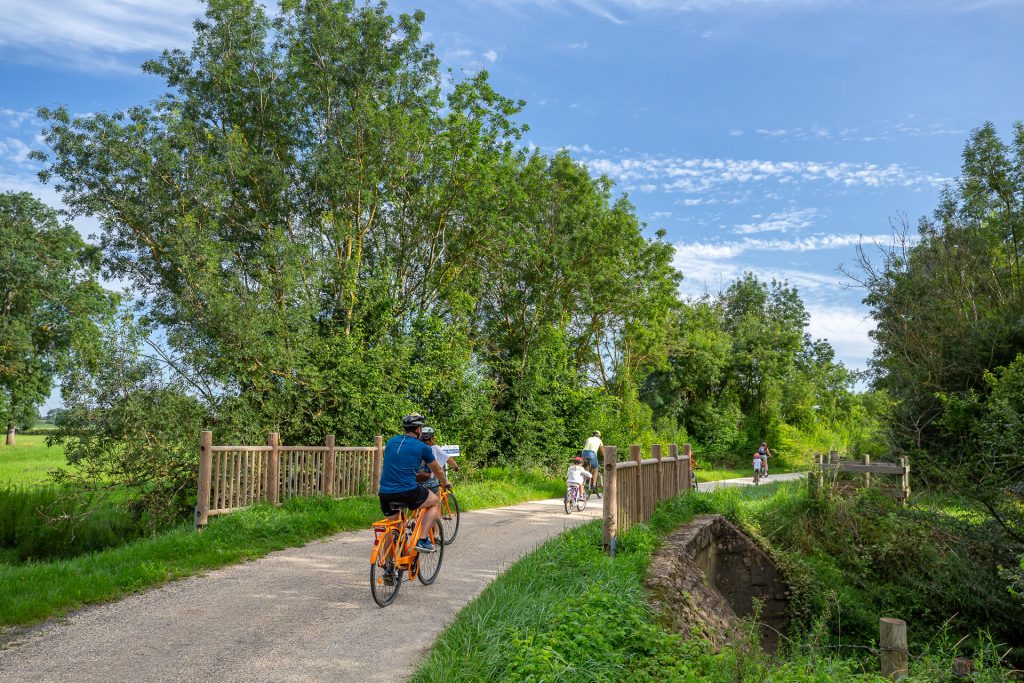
766, 455
591, 449
403, 455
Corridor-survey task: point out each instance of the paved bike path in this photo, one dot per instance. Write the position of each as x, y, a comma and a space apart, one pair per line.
302, 614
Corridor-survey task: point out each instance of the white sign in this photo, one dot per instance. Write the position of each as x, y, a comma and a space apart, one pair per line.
450, 451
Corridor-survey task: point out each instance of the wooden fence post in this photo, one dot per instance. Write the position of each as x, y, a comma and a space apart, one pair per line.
658, 477
905, 482
673, 480
687, 464
274, 474
865, 459
636, 506
892, 644
203, 485
611, 500
378, 463
329, 462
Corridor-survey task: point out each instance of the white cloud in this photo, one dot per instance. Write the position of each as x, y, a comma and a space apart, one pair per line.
734, 132
783, 221
846, 328
698, 176
657, 215
579, 46
491, 56
13, 149
57, 27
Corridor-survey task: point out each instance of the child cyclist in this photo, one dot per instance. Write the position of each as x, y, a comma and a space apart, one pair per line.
758, 464
576, 475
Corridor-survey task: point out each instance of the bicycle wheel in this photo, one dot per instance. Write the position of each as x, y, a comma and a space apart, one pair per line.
385, 577
450, 518
568, 502
599, 486
429, 564
757, 476
581, 502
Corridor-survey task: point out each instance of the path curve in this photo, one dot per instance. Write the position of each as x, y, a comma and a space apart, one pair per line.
302, 614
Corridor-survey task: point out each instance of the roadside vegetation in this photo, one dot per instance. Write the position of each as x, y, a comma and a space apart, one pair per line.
567, 611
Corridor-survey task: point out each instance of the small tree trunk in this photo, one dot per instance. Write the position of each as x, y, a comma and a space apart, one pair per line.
10, 433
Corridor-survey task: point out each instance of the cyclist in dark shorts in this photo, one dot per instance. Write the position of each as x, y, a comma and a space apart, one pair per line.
403, 455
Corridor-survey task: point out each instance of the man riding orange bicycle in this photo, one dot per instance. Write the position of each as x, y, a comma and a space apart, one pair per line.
403, 455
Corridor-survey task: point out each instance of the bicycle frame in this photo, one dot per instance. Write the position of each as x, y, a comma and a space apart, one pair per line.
405, 553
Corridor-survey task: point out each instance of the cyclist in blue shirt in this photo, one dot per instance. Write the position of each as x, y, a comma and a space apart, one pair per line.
403, 455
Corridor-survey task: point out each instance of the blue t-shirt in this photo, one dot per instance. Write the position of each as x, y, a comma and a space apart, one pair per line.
402, 457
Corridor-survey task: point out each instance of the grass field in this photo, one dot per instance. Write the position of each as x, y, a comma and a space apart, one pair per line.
29, 461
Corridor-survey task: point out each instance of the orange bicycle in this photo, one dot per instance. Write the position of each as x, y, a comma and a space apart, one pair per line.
394, 554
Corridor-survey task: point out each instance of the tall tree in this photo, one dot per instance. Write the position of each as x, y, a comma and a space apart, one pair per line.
49, 299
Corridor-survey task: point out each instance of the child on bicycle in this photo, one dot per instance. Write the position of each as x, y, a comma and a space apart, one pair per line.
757, 464
576, 475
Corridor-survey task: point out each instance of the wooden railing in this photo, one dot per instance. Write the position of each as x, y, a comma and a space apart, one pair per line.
633, 487
827, 467
234, 477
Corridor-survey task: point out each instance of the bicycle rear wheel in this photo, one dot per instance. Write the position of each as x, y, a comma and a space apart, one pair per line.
599, 485
581, 502
568, 502
385, 576
450, 518
429, 564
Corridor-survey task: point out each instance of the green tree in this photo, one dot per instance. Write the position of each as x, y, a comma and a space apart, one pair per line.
49, 302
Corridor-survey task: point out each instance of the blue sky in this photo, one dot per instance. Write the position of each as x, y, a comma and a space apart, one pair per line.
764, 135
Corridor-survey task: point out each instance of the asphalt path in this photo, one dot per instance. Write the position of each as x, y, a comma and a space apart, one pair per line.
302, 614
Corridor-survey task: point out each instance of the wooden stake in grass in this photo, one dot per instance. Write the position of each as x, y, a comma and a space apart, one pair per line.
892, 641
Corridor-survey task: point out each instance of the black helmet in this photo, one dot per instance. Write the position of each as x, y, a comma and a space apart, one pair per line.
413, 420
427, 433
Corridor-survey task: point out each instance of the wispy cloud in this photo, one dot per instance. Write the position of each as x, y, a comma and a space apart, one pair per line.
583, 45
698, 176
783, 221
90, 28
491, 56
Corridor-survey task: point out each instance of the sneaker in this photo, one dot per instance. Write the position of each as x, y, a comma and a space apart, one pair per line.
389, 576
425, 546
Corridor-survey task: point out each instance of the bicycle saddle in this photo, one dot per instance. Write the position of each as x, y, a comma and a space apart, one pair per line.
396, 506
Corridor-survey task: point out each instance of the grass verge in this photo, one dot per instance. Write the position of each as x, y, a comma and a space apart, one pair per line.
37, 590
569, 612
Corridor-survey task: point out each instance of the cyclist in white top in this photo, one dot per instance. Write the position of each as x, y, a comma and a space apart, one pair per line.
591, 449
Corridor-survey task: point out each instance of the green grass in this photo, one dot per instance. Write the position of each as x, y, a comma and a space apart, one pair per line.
569, 612
38, 590
29, 461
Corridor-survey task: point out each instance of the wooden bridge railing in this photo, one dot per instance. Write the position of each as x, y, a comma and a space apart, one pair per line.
633, 487
826, 467
234, 477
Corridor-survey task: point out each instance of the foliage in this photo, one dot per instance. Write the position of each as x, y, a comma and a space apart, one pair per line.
49, 300
742, 369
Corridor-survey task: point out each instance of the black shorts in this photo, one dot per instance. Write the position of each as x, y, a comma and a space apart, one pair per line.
413, 498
